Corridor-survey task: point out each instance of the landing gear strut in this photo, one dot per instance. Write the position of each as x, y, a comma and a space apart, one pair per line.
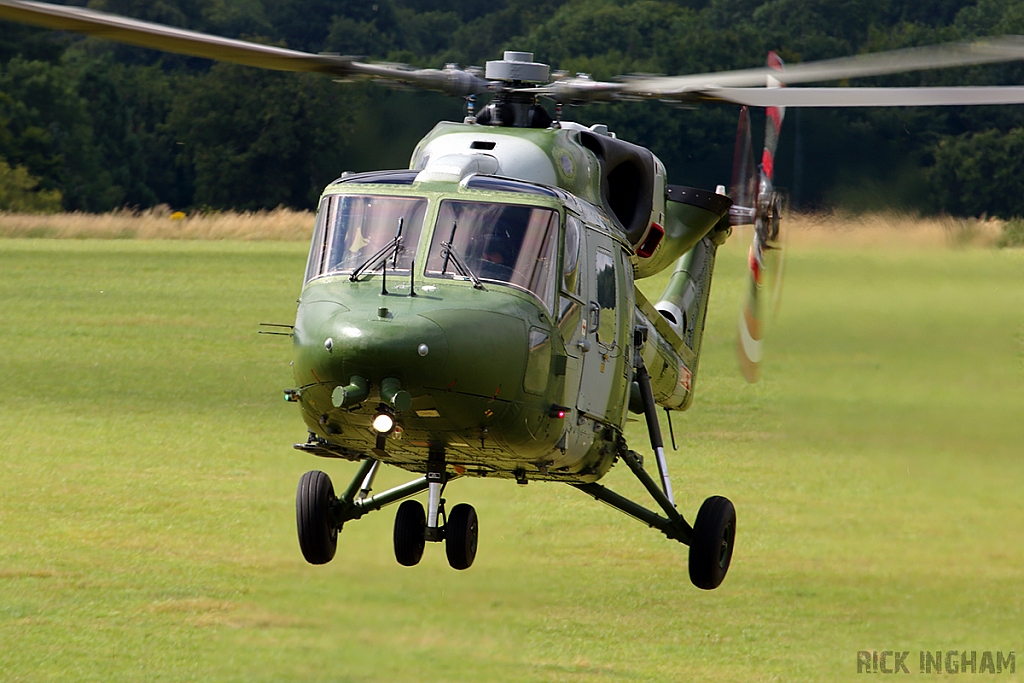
713, 534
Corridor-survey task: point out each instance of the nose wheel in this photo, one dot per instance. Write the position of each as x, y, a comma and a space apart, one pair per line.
410, 533
459, 533
320, 515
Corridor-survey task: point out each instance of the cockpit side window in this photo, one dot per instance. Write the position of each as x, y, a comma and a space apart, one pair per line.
571, 256
352, 228
508, 243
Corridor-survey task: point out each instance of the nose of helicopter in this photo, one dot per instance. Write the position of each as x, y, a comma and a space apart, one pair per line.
333, 345
475, 352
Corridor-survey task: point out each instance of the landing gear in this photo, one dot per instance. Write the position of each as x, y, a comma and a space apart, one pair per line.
318, 536
714, 533
320, 515
414, 527
410, 533
461, 530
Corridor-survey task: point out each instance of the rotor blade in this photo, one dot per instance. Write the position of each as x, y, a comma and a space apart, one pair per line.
749, 349
192, 43
867, 97
169, 39
765, 262
700, 87
993, 50
743, 177
773, 123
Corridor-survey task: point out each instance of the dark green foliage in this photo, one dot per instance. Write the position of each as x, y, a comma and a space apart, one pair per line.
258, 139
978, 173
1013, 233
19, 192
109, 125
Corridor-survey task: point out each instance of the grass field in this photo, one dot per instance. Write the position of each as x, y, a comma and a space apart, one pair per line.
147, 496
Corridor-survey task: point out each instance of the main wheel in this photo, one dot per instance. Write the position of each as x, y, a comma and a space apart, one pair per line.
714, 534
460, 535
318, 536
410, 533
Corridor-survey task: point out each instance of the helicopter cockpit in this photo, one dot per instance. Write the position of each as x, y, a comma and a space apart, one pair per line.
483, 241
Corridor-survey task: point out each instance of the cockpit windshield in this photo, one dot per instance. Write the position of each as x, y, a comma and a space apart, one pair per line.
508, 243
351, 229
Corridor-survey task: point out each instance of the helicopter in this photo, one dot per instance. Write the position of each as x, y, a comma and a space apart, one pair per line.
476, 314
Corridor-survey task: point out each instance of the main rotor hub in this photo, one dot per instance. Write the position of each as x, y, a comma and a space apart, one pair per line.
517, 67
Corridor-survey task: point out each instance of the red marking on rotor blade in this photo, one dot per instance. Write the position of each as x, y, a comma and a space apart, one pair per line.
768, 163
755, 266
775, 116
775, 61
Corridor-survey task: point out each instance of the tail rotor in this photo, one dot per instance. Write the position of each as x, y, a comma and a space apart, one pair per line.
757, 202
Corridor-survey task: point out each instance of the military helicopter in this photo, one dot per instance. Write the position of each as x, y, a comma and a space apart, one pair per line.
475, 314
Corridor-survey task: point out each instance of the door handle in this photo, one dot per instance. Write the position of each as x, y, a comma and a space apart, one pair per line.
595, 316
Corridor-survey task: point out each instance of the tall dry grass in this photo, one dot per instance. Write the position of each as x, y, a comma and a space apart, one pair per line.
823, 229
160, 223
891, 229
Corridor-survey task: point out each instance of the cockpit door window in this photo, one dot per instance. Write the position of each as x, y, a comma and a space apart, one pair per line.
604, 279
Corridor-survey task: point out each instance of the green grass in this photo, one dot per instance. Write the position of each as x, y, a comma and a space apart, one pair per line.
147, 488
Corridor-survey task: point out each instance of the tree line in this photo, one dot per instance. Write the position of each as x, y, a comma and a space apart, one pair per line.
87, 125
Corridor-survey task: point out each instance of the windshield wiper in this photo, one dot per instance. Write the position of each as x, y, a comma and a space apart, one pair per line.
448, 250
391, 248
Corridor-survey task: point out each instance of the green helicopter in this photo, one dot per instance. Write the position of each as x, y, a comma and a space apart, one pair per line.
475, 315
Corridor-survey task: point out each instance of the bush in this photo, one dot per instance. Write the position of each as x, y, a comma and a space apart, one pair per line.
1013, 233
980, 173
19, 193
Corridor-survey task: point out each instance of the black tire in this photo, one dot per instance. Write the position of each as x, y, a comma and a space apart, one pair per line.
318, 537
460, 536
714, 536
410, 533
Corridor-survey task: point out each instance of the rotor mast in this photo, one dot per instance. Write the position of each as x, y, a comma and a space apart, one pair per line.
514, 105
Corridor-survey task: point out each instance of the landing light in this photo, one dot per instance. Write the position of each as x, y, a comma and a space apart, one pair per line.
383, 423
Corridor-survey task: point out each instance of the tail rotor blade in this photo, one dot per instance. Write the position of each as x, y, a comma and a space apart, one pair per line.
773, 124
748, 338
744, 177
765, 259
